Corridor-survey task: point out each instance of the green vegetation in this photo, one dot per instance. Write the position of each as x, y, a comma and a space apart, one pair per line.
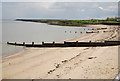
111, 19
107, 21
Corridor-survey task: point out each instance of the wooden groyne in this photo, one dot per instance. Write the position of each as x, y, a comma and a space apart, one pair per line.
68, 44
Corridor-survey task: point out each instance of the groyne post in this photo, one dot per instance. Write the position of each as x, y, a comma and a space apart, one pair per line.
64, 43
33, 43
42, 43
23, 43
15, 43
89, 41
76, 43
53, 43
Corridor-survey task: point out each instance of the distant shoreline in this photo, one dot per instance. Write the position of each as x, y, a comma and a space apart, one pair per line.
77, 23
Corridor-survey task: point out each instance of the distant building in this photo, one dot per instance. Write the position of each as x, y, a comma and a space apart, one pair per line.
118, 19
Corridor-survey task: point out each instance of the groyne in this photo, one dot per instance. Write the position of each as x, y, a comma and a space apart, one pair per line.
68, 44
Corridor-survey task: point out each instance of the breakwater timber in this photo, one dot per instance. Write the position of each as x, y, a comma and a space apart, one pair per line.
69, 44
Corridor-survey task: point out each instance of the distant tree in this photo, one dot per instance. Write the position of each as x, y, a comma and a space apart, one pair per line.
111, 19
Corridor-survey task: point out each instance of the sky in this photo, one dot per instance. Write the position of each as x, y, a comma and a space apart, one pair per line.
59, 10
60, 0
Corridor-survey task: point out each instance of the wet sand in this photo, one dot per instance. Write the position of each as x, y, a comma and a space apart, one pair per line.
67, 62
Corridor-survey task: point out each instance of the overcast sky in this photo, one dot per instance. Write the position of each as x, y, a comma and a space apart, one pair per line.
60, 0
59, 10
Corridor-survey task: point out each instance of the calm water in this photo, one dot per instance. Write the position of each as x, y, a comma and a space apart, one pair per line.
18, 31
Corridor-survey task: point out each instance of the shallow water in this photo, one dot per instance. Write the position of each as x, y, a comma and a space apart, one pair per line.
18, 31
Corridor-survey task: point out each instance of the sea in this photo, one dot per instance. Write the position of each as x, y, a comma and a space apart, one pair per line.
21, 31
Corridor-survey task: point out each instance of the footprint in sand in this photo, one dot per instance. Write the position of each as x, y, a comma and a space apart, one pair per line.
51, 71
92, 57
64, 61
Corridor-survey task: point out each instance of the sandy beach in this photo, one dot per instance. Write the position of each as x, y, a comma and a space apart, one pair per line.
67, 62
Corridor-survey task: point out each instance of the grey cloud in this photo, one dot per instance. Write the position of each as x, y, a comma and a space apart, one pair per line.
61, 10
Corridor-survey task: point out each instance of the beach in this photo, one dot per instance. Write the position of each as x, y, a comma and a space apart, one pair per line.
67, 62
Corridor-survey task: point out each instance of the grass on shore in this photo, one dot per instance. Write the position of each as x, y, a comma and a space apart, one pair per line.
108, 21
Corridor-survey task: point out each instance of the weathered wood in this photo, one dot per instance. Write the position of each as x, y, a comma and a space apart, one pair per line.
23, 43
15, 43
42, 43
76, 43
33, 43
69, 44
53, 43
7, 42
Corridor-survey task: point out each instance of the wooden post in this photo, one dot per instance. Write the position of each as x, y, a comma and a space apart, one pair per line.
76, 43
65, 43
89, 41
7, 42
42, 43
23, 43
33, 43
15, 43
53, 43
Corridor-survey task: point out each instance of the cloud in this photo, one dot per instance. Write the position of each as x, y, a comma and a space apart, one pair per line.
100, 8
109, 8
60, 0
82, 10
42, 4
60, 10
0, 11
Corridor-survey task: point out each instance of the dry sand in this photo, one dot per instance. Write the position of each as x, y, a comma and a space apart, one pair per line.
66, 63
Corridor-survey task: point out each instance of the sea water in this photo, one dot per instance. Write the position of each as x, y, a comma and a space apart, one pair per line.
19, 31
